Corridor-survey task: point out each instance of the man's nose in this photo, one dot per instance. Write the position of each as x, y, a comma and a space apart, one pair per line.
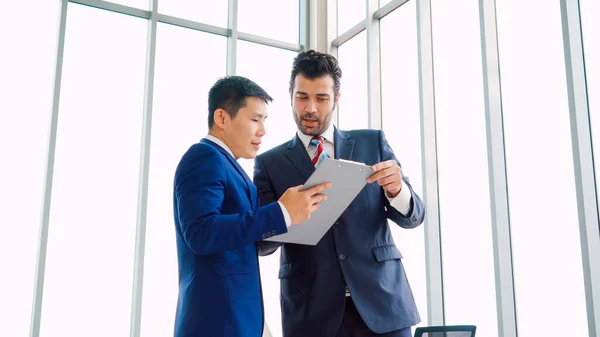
311, 106
262, 130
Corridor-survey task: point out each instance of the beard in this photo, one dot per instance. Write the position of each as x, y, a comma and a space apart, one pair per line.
319, 124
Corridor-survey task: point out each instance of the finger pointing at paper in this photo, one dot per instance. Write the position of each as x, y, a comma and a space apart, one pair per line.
388, 175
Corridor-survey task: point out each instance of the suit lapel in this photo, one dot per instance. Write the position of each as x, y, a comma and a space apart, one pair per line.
250, 188
254, 201
344, 146
297, 155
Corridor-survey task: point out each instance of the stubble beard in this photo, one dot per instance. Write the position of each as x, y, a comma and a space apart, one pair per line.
322, 124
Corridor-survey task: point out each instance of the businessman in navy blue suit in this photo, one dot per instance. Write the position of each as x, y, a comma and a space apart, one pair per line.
352, 283
219, 220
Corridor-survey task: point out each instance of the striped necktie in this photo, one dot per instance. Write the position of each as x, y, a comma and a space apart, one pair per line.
317, 141
319, 156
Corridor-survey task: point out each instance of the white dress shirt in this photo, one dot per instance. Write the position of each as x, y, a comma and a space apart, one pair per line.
401, 202
286, 215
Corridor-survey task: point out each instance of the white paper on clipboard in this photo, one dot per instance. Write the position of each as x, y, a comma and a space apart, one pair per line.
347, 179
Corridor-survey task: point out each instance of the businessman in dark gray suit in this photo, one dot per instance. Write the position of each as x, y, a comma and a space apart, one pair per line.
352, 283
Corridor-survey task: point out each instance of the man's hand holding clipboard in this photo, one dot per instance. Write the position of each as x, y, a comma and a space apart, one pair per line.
347, 179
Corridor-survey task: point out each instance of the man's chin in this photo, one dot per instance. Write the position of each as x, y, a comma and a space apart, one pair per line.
310, 131
250, 155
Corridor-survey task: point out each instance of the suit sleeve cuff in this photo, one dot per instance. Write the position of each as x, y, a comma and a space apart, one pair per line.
286, 215
402, 201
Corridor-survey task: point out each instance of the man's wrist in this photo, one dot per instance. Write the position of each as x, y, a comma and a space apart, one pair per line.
392, 195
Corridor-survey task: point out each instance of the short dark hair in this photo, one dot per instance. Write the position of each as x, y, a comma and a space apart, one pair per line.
313, 64
229, 93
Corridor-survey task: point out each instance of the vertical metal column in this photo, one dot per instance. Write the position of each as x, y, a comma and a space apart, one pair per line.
305, 30
433, 249
583, 160
373, 66
142, 204
40, 268
503, 268
322, 25
332, 33
232, 25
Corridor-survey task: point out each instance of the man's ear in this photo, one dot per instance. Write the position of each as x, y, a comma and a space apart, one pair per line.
221, 118
337, 98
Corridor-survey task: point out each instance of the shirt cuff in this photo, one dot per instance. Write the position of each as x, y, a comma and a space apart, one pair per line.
402, 201
286, 215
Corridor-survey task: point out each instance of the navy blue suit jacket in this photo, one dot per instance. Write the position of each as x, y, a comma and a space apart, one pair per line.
358, 251
218, 222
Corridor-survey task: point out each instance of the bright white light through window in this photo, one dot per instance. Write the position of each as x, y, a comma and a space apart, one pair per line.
89, 269
541, 186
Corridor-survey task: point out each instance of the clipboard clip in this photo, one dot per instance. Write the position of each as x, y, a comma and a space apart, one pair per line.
352, 162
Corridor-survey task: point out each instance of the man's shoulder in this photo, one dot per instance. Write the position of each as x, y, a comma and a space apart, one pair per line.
199, 153
202, 149
362, 133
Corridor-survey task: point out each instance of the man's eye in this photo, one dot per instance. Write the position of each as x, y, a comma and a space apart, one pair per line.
302, 98
255, 120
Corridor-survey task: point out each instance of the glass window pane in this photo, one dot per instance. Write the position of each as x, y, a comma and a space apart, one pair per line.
183, 75
94, 199
402, 126
27, 73
467, 255
208, 12
143, 4
384, 2
353, 109
350, 13
258, 17
280, 128
543, 206
590, 11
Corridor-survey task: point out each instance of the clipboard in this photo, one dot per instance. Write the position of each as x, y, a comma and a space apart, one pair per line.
347, 179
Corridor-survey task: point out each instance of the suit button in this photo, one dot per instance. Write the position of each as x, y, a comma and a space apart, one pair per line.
342, 257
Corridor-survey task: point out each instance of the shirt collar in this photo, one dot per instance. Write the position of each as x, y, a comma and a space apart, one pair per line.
328, 135
220, 143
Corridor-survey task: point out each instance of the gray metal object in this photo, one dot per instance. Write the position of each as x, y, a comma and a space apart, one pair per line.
433, 249
142, 203
40, 268
505, 295
583, 160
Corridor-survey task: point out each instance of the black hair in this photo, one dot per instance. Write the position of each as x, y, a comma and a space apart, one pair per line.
313, 64
230, 93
